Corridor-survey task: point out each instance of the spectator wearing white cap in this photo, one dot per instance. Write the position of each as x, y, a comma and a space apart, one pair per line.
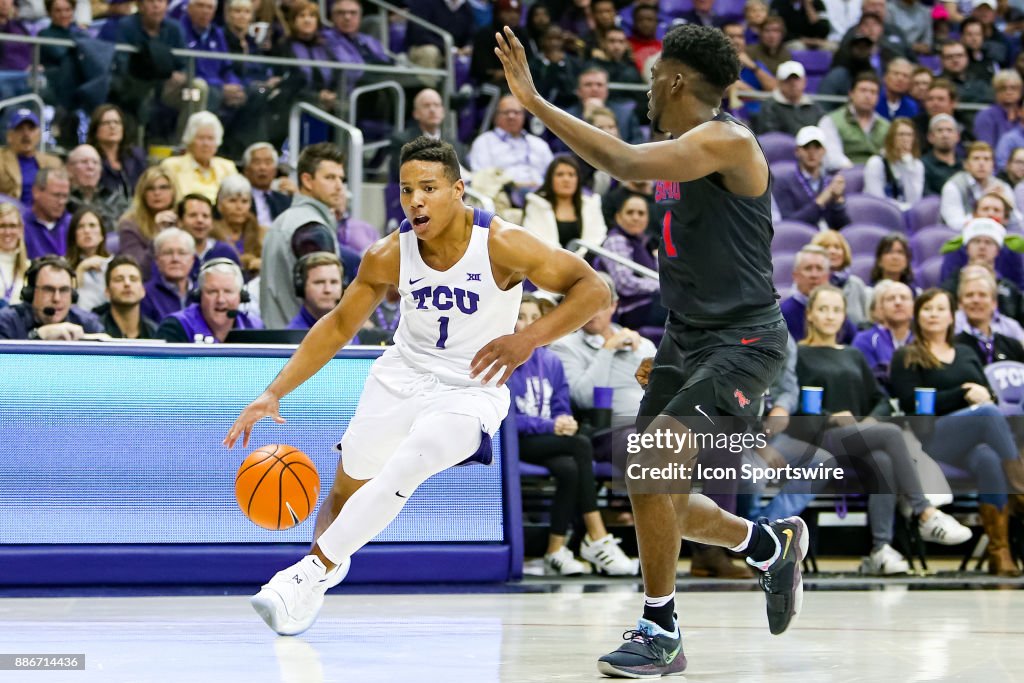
21, 159
963, 190
807, 192
983, 238
789, 109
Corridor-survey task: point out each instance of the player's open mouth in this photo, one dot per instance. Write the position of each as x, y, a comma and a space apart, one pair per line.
421, 220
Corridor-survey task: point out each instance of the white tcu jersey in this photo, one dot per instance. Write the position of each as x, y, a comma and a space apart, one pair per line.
447, 317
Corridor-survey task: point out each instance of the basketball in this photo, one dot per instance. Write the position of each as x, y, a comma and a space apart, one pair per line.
277, 487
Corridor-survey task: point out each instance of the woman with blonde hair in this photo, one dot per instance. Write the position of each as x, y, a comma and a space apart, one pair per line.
13, 256
237, 224
897, 173
856, 293
151, 211
845, 426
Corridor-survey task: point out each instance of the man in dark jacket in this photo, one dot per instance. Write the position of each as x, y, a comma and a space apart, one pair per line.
47, 310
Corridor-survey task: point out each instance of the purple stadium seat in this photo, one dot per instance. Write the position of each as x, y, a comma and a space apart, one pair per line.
928, 273
927, 242
777, 146
782, 265
865, 208
932, 62
792, 236
861, 266
864, 238
396, 36
1007, 379
528, 469
854, 179
671, 8
730, 9
924, 212
812, 84
816, 62
461, 70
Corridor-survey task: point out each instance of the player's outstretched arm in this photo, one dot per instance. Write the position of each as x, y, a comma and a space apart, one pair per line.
517, 251
378, 269
708, 148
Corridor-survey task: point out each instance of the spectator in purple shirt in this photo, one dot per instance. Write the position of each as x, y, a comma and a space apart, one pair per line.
349, 45
548, 436
1004, 114
318, 279
195, 216
214, 311
15, 58
807, 192
21, 159
47, 221
167, 290
892, 307
810, 270
639, 301
201, 33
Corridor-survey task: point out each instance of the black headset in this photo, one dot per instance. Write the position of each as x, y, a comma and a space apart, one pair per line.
300, 271
28, 292
196, 293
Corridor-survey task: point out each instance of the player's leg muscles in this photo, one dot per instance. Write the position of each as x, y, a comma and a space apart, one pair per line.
342, 489
435, 444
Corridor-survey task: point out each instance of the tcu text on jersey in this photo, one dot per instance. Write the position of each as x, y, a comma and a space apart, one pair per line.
442, 298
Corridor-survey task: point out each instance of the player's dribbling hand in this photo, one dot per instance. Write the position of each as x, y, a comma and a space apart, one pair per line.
517, 72
266, 405
508, 352
643, 373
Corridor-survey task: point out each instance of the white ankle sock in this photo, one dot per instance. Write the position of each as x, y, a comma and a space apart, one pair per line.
659, 602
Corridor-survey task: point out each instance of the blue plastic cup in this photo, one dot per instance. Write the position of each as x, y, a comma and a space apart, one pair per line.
924, 401
603, 397
810, 400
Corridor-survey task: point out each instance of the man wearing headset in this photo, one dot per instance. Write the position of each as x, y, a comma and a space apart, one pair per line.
214, 308
47, 309
317, 278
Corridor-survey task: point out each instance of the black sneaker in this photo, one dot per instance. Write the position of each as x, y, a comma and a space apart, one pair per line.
649, 652
781, 578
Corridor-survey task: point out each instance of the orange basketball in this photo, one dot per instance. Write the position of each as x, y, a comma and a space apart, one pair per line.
277, 487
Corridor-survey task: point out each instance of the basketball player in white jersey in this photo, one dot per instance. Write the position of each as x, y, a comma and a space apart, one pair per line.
433, 399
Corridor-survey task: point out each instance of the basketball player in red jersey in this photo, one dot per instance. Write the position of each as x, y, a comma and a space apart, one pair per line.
725, 338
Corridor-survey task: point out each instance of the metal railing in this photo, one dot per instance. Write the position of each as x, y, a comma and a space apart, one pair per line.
484, 202
355, 148
755, 95
577, 246
493, 93
399, 118
34, 99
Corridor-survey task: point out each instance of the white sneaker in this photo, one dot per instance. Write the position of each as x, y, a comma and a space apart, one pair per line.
884, 561
290, 602
607, 557
944, 529
562, 562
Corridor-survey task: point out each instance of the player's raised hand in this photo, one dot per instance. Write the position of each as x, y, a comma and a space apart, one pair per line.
508, 352
266, 405
517, 72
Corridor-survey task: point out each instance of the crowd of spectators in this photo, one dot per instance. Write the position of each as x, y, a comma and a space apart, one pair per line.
920, 120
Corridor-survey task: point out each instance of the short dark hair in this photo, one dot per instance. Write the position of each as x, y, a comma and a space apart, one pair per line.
122, 260
865, 76
193, 197
436, 151
637, 9
707, 51
947, 85
971, 20
312, 155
